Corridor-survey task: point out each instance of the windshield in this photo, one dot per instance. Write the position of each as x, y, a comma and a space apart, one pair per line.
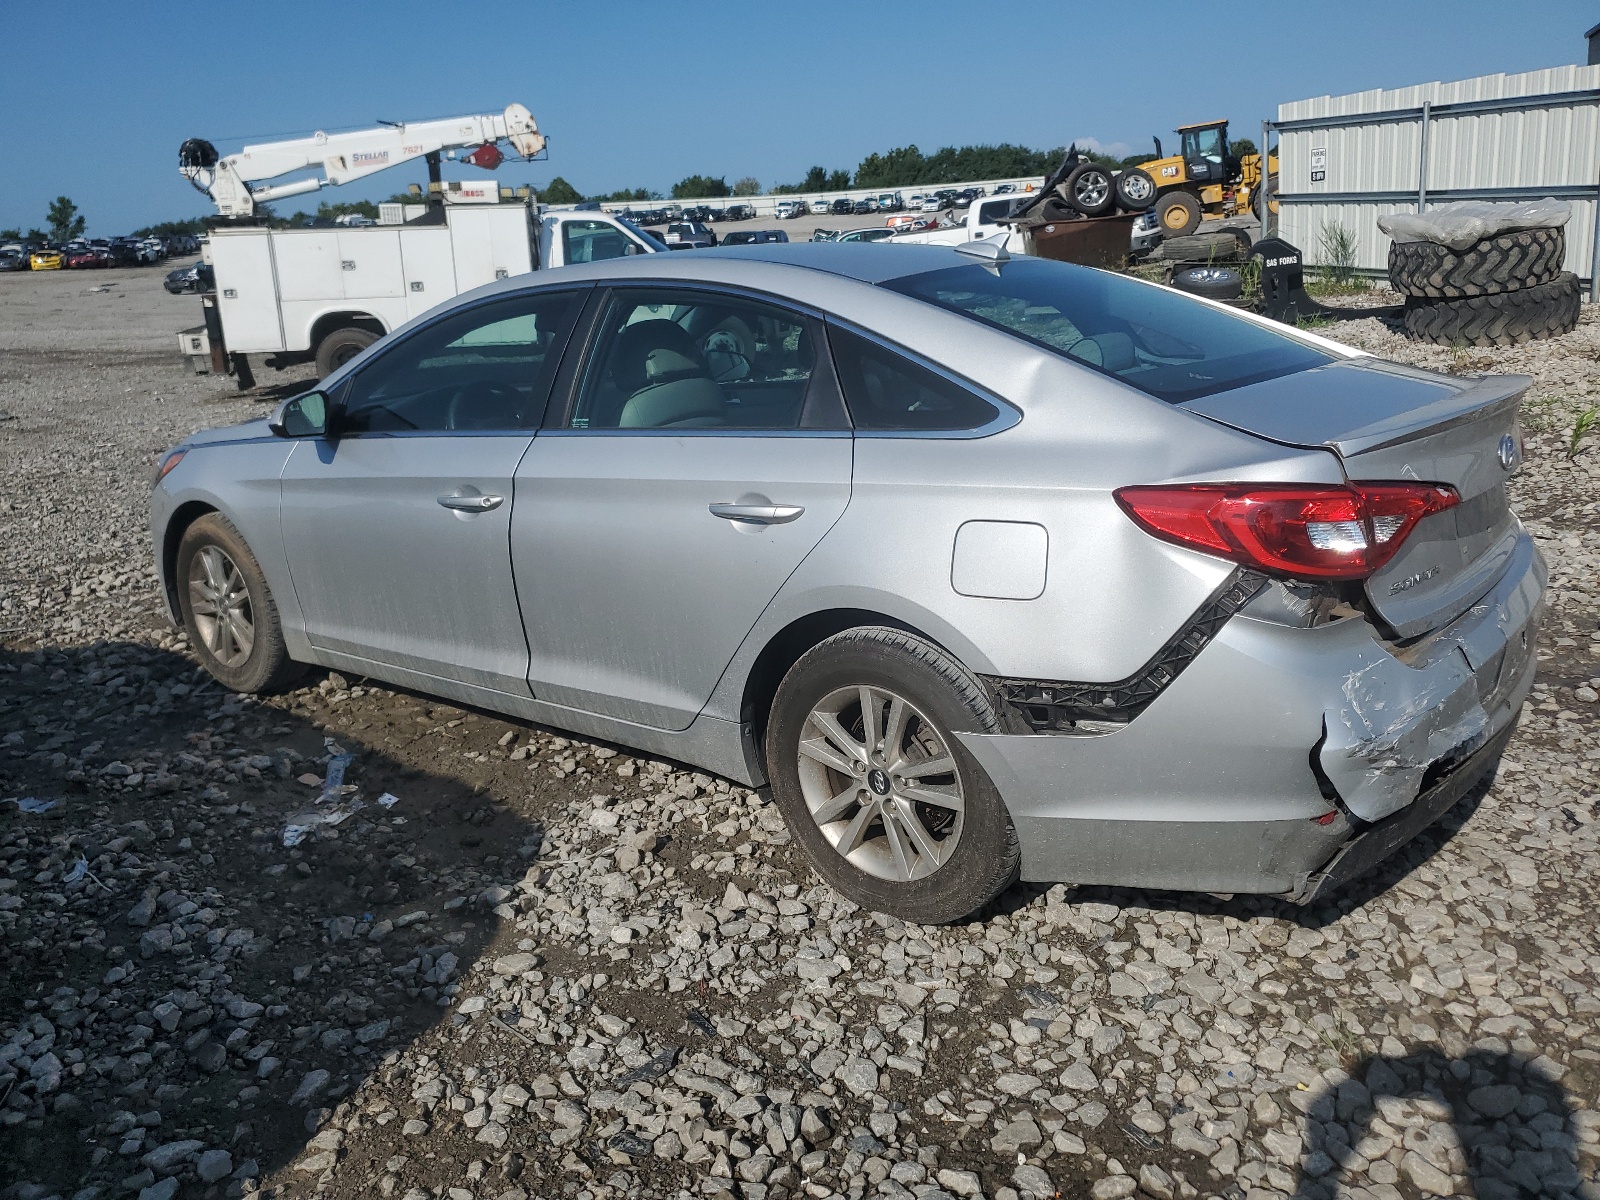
1157, 340
644, 235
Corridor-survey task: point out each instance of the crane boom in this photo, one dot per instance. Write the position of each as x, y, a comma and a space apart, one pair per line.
235, 183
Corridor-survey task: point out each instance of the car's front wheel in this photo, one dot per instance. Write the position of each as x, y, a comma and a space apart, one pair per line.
228, 611
866, 769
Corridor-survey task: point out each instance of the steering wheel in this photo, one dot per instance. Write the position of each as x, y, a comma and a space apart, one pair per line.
484, 405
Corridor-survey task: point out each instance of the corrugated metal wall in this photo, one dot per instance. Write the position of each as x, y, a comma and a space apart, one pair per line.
1372, 168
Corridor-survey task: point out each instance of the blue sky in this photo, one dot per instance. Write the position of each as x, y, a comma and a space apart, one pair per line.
635, 94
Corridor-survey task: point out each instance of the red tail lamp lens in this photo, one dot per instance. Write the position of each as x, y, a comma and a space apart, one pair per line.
1314, 532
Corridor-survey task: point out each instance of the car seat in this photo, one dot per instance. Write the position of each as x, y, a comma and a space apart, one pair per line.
659, 368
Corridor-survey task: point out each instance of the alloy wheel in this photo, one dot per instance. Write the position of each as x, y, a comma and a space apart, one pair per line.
881, 784
220, 603
1091, 189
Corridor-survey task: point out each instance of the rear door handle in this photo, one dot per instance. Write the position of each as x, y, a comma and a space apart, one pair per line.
758, 514
472, 504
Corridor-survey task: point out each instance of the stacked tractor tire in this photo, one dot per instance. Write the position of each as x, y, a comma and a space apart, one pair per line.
1501, 291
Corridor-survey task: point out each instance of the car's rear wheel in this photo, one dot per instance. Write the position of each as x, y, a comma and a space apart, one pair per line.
866, 769
339, 347
228, 611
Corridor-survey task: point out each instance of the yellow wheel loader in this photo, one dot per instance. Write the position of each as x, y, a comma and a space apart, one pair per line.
1205, 177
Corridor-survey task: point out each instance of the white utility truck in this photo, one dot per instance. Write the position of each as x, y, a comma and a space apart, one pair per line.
325, 294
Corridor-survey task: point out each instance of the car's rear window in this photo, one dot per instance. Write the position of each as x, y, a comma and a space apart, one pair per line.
1157, 340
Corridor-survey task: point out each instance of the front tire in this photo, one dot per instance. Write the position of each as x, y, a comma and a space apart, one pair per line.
1178, 213
891, 808
228, 611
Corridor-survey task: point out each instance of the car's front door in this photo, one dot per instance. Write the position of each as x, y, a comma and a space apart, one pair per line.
396, 525
704, 454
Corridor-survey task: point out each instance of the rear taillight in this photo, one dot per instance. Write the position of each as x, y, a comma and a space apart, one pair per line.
1310, 532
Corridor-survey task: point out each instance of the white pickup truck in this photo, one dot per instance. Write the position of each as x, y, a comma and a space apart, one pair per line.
982, 221
325, 294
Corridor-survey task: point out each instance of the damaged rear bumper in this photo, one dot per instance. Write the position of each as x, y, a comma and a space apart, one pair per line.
1284, 760
1403, 715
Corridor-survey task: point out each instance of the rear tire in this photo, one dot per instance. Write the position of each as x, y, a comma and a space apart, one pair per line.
1259, 205
1506, 263
228, 611
1504, 319
961, 855
1178, 214
339, 347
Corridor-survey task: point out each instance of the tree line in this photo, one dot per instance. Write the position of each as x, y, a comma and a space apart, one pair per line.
904, 166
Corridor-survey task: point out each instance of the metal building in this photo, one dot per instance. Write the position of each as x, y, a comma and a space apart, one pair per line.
1348, 160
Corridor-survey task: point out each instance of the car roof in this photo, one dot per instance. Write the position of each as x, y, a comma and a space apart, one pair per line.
750, 264
860, 261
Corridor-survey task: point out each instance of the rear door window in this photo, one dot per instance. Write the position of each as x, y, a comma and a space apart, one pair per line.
1162, 342
888, 392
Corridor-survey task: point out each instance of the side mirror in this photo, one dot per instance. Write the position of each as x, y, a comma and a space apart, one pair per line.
300, 416
633, 248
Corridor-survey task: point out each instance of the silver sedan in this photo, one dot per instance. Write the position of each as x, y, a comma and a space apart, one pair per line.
991, 568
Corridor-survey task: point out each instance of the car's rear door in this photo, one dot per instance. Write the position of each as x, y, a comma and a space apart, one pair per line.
703, 454
396, 527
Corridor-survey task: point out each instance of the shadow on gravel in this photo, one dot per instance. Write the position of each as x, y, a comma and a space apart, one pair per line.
272, 393
184, 997
1500, 1119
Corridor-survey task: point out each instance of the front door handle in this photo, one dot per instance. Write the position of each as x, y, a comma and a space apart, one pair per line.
472, 504
758, 514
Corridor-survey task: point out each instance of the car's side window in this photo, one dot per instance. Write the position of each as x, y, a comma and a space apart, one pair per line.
594, 241
888, 392
484, 368
696, 360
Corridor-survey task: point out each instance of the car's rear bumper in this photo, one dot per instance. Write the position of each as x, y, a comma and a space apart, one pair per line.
1227, 781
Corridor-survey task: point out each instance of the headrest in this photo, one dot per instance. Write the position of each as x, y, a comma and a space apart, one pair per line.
648, 351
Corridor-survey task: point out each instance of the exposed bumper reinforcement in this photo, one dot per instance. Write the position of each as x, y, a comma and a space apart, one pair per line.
1378, 841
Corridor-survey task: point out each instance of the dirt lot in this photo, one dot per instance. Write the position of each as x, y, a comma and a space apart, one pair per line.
531, 965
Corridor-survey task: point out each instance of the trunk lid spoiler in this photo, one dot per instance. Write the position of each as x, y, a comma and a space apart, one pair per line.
1386, 421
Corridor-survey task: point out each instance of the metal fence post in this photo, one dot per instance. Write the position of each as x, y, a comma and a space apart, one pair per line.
1266, 182
1594, 251
1422, 159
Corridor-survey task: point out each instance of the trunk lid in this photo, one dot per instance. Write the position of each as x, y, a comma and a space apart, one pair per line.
1391, 422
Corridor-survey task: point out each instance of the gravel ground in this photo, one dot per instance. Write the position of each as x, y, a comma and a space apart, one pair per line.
531, 965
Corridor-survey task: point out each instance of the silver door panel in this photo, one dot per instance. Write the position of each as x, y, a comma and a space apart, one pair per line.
384, 571
634, 594
710, 743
